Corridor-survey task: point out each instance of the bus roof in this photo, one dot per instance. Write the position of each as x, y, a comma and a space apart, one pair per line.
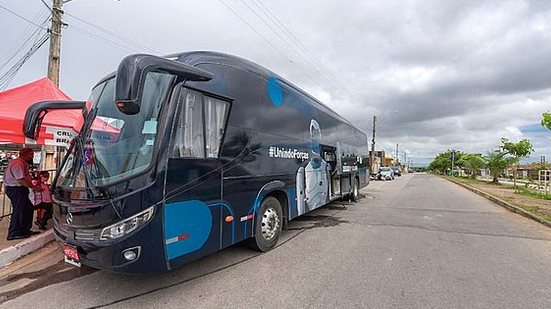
198, 57
194, 58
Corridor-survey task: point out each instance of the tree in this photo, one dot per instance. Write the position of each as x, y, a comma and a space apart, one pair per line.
440, 163
498, 161
443, 161
472, 162
518, 150
546, 120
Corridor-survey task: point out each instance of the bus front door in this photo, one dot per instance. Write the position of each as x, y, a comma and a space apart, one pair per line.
193, 210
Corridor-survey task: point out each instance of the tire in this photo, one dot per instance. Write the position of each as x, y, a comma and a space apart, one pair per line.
268, 224
355, 191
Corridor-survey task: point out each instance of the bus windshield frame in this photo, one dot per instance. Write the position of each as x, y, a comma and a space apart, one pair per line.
113, 146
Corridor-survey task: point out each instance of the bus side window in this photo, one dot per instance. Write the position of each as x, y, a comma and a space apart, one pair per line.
215, 118
189, 140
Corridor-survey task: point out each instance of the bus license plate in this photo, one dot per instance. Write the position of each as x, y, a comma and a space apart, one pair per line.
71, 255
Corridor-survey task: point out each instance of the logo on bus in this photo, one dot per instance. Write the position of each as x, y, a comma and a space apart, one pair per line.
287, 153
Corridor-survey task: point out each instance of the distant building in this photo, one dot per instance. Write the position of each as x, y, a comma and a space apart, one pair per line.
389, 161
528, 171
485, 172
378, 154
378, 160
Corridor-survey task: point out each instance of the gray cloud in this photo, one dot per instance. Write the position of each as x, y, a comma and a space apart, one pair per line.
438, 74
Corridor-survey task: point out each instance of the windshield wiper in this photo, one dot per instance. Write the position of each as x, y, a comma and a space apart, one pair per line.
90, 187
80, 162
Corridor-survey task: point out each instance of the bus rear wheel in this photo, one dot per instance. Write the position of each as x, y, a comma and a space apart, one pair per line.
269, 220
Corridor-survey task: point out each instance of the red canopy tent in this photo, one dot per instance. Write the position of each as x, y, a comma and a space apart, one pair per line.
58, 127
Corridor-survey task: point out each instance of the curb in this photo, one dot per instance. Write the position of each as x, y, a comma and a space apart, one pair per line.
10, 254
503, 203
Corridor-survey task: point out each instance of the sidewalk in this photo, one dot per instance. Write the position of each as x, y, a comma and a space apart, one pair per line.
14, 249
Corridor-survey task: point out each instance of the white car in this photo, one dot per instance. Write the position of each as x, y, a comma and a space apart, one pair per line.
385, 173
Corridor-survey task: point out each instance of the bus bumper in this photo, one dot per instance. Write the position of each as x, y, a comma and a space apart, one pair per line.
134, 253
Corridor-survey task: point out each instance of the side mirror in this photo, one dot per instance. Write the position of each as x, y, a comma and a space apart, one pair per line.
132, 72
36, 112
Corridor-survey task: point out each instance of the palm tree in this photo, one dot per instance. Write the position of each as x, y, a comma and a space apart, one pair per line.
472, 162
498, 161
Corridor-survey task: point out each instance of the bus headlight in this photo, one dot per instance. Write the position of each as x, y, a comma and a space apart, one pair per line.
128, 225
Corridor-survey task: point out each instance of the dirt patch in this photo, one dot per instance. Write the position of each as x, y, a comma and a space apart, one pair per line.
319, 221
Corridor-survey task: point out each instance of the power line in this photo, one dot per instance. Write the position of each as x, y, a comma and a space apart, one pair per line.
260, 35
279, 35
38, 42
127, 45
46, 4
268, 13
300, 44
292, 44
320, 70
115, 35
254, 29
105, 40
268, 25
27, 35
7, 78
23, 18
282, 26
34, 34
30, 29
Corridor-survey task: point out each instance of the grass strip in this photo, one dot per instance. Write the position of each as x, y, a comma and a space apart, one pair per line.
520, 190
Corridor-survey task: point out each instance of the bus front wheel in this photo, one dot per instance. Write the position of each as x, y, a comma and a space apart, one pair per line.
269, 220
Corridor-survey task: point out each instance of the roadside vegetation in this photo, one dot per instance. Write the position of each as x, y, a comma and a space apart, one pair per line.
458, 163
533, 201
468, 167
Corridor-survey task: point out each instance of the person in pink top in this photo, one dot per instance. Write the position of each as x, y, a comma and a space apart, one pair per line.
42, 200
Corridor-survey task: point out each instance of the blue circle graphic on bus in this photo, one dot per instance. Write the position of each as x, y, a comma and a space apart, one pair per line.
188, 225
275, 92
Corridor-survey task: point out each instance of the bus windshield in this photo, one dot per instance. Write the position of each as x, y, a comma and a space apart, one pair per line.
115, 145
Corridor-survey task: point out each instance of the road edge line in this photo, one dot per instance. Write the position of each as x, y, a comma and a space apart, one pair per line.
502, 203
12, 253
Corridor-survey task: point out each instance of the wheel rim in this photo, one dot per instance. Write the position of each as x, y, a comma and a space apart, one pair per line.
270, 223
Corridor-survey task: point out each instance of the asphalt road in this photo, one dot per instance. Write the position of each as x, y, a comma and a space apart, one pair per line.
415, 242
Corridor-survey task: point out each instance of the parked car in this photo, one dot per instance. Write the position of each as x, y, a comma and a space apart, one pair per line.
397, 171
385, 173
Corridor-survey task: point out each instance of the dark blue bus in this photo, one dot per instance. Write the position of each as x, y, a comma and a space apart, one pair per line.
184, 155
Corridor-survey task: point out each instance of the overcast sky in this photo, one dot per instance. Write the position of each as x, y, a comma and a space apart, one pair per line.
438, 74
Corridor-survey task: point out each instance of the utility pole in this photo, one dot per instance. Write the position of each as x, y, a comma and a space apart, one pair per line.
397, 160
55, 42
372, 154
54, 60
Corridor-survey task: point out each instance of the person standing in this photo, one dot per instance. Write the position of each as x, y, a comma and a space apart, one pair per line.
42, 200
17, 181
